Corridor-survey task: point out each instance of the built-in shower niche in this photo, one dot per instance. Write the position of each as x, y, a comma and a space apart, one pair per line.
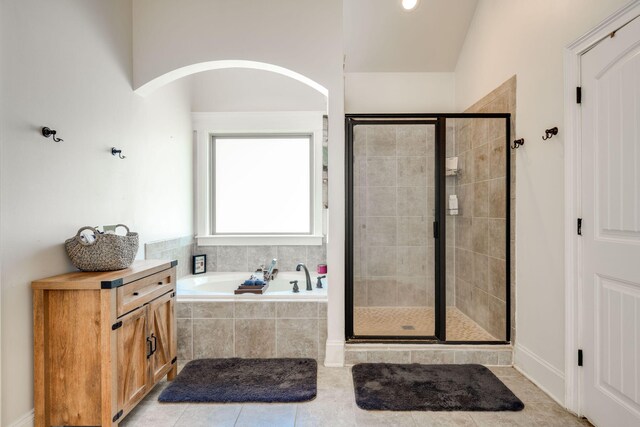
426, 228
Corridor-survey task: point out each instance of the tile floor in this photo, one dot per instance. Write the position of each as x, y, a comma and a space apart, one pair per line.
335, 406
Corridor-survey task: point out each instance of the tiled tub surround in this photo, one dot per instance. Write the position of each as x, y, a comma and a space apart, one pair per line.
235, 258
248, 327
179, 249
249, 258
214, 322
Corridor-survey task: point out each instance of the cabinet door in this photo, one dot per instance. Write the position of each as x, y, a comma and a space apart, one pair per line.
162, 334
133, 366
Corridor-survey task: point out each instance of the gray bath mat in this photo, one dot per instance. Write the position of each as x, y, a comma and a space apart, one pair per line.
394, 387
244, 380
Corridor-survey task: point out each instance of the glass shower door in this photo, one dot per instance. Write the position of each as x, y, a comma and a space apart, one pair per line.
428, 228
392, 225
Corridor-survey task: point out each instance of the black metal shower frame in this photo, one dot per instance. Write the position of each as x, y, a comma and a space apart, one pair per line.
439, 120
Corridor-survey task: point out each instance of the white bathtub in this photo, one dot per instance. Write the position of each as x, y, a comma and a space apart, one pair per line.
220, 286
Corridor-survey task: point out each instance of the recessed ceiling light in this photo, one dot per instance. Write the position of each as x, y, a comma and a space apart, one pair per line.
409, 4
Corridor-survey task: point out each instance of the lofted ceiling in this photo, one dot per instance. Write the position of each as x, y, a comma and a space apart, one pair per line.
380, 36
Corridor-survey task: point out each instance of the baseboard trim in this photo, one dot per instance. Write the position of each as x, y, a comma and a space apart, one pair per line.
546, 377
334, 357
27, 420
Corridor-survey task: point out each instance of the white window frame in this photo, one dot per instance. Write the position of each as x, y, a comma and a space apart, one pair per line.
206, 125
256, 199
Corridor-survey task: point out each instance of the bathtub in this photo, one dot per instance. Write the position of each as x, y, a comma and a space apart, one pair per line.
219, 286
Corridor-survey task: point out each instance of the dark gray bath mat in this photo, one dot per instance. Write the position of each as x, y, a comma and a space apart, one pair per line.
244, 380
394, 387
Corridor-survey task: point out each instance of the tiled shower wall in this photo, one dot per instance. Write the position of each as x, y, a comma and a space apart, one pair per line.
172, 249
249, 258
480, 227
393, 215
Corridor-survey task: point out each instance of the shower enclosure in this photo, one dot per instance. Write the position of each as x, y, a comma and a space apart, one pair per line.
427, 242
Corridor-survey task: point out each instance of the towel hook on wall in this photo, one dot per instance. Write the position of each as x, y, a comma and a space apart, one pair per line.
116, 152
517, 143
46, 132
549, 133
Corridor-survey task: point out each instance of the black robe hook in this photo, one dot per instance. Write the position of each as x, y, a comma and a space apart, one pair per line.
116, 152
517, 143
549, 133
46, 132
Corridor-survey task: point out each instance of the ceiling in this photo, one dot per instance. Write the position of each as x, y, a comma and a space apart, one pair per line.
380, 36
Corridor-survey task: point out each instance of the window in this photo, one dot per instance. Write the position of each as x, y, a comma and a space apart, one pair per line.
261, 184
258, 178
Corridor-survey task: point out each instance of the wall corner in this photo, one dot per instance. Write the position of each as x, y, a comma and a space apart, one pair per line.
335, 354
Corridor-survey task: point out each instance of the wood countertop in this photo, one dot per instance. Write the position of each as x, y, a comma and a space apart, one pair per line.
103, 279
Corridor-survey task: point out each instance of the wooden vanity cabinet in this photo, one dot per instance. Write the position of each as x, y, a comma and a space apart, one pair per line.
162, 328
101, 342
134, 379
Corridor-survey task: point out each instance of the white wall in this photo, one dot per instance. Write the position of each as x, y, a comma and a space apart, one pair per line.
527, 38
247, 90
304, 36
67, 64
399, 92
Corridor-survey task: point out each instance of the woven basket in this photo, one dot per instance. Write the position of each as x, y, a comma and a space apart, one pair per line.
107, 253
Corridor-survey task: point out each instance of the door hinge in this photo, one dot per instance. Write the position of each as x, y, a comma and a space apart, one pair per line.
579, 95
117, 416
579, 357
579, 227
435, 230
174, 360
116, 325
173, 294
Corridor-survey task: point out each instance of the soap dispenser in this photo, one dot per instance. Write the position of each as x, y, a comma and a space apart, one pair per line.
453, 204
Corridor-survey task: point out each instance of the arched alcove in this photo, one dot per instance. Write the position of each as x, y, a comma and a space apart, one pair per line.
334, 348
188, 70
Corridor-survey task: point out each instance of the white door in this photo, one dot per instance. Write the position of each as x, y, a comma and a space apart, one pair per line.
611, 229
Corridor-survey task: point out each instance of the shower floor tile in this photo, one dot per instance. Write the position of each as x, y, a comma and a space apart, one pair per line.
416, 321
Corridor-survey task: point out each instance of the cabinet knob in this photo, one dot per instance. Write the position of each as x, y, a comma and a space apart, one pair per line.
135, 294
159, 283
